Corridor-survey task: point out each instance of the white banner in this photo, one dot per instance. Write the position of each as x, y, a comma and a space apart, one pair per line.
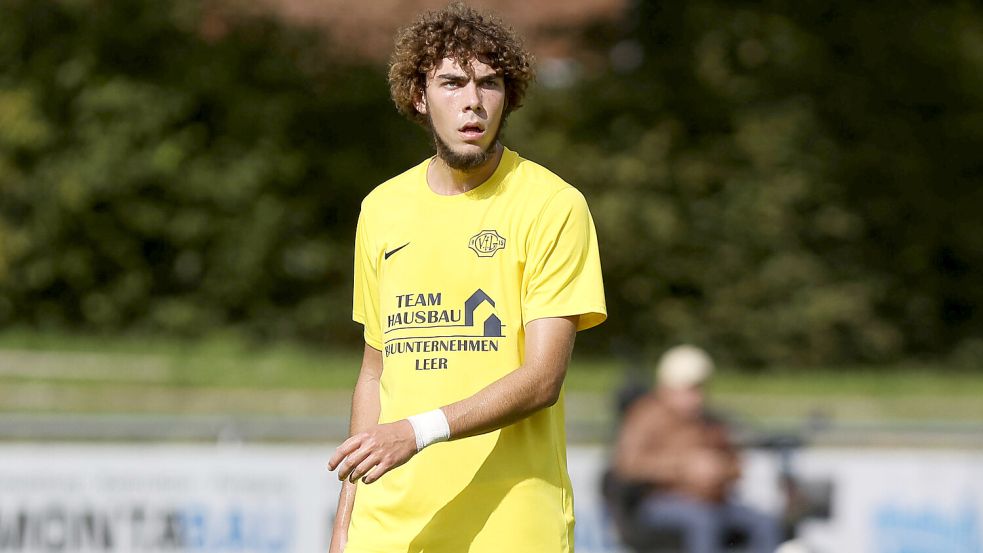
84, 498
136, 499
899, 501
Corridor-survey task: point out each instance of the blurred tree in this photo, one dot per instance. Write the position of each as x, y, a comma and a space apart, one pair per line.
781, 183
156, 179
784, 183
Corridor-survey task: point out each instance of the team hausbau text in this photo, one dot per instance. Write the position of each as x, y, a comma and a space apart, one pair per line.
423, 324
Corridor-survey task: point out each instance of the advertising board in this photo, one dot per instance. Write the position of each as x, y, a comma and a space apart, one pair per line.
88, 498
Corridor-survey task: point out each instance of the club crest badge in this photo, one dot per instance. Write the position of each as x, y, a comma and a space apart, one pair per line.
486, 243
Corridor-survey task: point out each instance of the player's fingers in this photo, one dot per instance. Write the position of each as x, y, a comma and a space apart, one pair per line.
374, 474
364, 467
352, 461
348, 446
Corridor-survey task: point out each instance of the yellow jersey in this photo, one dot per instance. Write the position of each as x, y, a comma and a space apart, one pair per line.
444, 286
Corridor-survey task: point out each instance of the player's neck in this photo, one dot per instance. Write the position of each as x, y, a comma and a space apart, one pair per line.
447, 181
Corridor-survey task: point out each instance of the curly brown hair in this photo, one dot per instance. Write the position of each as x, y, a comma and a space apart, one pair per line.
461, 33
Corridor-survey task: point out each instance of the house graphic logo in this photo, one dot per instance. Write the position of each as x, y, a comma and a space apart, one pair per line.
492, 326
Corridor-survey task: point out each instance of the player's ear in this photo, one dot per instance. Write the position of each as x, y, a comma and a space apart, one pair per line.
420, 100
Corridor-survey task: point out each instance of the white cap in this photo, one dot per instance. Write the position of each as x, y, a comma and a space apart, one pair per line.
683, 367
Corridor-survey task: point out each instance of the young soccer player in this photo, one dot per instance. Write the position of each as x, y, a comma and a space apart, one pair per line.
473, 272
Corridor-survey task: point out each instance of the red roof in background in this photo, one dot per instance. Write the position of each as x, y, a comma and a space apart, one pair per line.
367, 27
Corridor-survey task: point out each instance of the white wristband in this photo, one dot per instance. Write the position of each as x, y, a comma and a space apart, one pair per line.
430, 427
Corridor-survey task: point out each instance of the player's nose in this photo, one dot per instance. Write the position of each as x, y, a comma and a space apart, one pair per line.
472, 97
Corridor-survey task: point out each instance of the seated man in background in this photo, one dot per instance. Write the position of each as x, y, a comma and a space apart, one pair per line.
669, 442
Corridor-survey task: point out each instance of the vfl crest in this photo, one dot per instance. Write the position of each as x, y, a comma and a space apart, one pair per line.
486, 243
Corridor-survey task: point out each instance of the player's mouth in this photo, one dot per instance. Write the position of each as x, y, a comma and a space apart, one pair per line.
471, 131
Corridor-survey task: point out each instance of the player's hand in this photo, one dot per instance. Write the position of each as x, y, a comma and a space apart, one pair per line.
370, 454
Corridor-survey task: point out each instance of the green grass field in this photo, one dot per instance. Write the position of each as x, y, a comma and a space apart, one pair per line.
43, 373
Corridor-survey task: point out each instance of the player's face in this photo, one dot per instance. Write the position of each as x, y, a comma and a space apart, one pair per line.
465, 107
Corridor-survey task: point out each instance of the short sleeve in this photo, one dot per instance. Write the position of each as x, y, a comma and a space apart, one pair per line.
365, 296
562, 275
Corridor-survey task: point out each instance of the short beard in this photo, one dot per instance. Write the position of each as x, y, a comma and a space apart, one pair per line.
459, 161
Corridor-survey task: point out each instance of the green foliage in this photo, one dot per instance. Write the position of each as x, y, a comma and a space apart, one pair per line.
157, 180
784, 184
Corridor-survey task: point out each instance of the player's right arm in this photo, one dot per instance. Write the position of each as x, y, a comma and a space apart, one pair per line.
365, 415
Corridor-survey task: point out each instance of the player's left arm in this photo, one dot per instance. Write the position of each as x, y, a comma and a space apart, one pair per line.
533, 386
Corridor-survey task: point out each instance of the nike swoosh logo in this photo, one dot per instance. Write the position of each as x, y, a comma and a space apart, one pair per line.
390, 252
